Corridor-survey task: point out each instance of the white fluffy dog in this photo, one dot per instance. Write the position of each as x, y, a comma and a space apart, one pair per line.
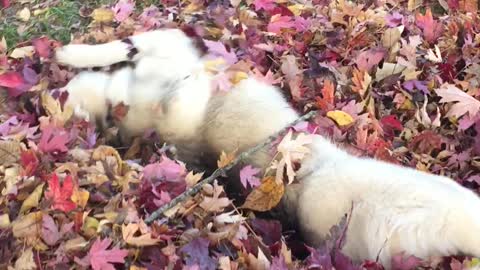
395, 209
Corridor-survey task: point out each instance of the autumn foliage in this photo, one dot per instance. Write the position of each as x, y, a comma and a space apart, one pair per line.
392, 80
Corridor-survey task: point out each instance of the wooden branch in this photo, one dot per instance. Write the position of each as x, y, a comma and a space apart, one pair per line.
222, 171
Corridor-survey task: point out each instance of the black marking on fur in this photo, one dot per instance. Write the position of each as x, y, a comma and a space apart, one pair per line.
109, 121
132, 50
196, 39
128, 41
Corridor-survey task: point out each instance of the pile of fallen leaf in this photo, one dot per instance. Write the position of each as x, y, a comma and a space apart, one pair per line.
393, 80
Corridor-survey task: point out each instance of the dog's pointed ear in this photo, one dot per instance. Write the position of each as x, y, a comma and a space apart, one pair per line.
197, 39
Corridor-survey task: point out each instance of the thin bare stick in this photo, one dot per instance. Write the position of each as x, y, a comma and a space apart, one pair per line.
222, 171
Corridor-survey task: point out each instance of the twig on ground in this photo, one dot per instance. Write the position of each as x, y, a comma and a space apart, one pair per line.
222, 171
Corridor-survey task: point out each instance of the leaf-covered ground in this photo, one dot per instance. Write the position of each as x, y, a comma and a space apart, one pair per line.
394, 80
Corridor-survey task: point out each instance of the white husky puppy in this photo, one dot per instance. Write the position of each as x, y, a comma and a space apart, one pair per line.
395, 209
168, 86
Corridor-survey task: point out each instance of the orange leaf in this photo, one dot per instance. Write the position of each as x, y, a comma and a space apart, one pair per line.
266, 196
328, 96
469, 5
361, 80
226, 159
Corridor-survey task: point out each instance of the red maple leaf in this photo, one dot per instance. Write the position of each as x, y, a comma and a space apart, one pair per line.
100, 258
4, 3
53, 140
43, 47
425, 142
431, 28
265, 4
29, 162
60, 194
277, 23
14, 82
368, 59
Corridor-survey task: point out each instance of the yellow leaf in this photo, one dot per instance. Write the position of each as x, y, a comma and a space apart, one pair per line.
4, 221
407, 105
22, 52
11, 178
103, 15
286, 253
266, 196
97, 179
296, 9
226, 159
129, 231
411, 74
42, 85
26, 261
192, 7
40, 11
134, 267
3, 45
28, 226
24, 14
54, 109
340, 117
414, 4
32, 199
102, 152
214, 65
90, 226
474, 263
124, 181
75, 244
192, 178
238, 77
80, 197
68, 167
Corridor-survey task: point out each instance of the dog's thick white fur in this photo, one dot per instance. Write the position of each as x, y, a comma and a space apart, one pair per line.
395, 209
172, 95
146, 49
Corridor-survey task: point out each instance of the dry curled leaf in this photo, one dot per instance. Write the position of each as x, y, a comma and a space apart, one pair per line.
32, 200
54, 109
291, 150
9, 152
103, 151
133, 236
28, 225
214, 203
266, 196
26, 261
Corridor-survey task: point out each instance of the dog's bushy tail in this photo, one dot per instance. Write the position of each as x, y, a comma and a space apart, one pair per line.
101, 55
